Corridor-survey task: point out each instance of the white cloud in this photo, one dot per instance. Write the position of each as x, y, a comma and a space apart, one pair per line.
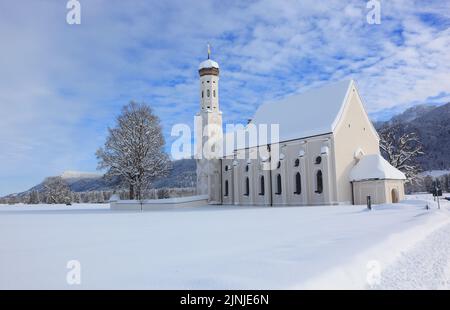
62, 85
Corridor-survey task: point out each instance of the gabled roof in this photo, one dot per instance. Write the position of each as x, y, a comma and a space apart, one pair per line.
375, 167
314, 112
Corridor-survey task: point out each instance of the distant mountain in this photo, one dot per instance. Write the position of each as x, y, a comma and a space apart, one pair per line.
182, 175
412, 113
432, 125
80, 175
82, 182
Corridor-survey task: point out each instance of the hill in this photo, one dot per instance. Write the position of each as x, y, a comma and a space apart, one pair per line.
182, 175
432, 125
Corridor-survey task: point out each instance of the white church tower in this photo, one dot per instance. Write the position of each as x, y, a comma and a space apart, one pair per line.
209, 132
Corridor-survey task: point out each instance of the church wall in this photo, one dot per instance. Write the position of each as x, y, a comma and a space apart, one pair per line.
306, 151
280, 192
261, 189
240, 181
398, 186
374, 188
380, 191
354, 131
227, 177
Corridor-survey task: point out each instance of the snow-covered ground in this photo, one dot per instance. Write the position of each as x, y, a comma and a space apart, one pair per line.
227, 247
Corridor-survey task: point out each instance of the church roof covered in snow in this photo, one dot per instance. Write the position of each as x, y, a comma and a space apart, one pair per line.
374, 166
314, 112
208, 64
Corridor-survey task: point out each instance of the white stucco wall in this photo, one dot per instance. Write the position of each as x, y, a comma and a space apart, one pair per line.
354, 131
380, 191
305, 151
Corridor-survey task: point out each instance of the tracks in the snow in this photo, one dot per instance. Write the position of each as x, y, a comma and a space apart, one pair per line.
425, 266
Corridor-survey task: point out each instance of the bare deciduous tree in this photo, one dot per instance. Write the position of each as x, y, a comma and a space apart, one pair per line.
134, 149
401, 149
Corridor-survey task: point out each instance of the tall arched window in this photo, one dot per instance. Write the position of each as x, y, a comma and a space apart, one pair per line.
226, 188
261, 186
208, 93
298, 184
214, 93
319, 182
247, 187
297, 162
203, 93
278, 184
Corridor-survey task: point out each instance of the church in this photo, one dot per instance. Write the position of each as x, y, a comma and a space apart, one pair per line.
328, 151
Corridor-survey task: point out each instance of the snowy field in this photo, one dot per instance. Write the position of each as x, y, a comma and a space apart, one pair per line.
222, 247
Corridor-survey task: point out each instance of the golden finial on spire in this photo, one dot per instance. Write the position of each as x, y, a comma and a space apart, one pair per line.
209, 51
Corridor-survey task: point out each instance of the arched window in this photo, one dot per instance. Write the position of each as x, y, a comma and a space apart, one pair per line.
298, 184
297, 162
279, 165
226, 188
208, 93
261, 184
203, 93
246, 168
319, 182
247, 187
278, 184
214, 93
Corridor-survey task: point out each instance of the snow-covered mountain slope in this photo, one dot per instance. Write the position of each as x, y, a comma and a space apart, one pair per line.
80, 175
432, 125
182, 175
435, 173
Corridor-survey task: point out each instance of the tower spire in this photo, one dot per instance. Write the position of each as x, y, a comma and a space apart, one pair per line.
209, 51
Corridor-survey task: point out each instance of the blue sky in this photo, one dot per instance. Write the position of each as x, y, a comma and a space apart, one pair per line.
62, 85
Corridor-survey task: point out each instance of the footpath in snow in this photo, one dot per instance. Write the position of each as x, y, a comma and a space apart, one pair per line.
425, 266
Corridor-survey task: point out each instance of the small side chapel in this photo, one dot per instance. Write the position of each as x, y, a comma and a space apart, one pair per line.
328, 151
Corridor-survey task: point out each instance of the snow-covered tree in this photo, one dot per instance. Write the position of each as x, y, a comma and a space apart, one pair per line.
401, 149
34, 197
56, 190
76, 197
134, 149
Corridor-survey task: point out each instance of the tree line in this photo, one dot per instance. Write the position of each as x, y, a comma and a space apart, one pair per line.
39, 197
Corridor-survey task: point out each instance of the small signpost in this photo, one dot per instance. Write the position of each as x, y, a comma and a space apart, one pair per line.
369, 203
437, 191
